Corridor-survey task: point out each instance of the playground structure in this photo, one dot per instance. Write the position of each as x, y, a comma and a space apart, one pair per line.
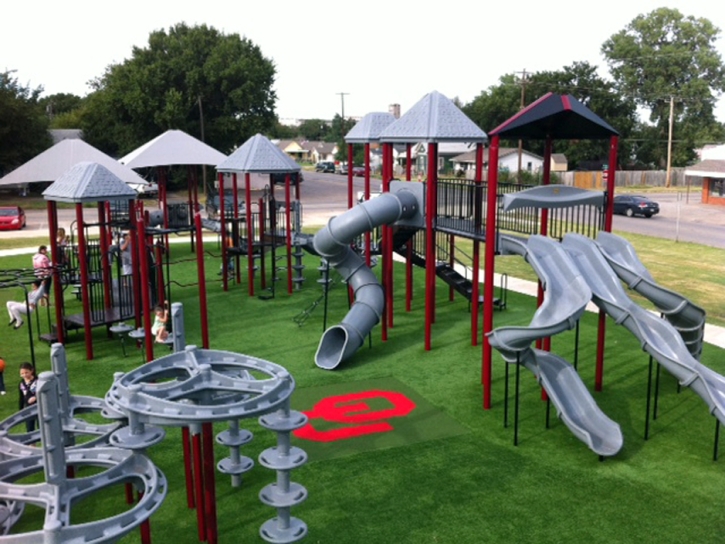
191, 388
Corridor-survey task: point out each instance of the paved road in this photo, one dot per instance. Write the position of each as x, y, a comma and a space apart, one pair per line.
681, 217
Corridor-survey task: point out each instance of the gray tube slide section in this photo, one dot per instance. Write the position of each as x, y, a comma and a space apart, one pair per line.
333, 243
687, 318
566, 295
658, 337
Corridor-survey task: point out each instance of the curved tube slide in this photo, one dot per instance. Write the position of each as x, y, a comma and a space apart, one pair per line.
566, 295
687, 318
657, 336
341, 341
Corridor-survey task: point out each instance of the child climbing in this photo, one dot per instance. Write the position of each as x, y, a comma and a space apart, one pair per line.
158, 329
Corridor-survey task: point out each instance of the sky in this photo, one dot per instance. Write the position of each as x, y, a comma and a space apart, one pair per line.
328, 54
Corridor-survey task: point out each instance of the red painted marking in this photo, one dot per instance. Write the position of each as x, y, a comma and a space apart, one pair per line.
353, 410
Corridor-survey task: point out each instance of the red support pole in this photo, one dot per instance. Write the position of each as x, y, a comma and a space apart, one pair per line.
430, 246
145, 280
202, 282
134, 209
58, 291
222, 222
235, 212
209, 483
105, 263
491, 202
408, 165
188, 470
477, 219
250, 232
387, 231
85, 295
196, 446
288, 227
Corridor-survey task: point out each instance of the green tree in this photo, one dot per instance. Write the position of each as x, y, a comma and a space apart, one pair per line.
59, 103
496, 104
665, 59
314, 129
23, 124
214, 86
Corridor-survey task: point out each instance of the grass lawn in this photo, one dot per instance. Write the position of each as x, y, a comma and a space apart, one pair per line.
463, 483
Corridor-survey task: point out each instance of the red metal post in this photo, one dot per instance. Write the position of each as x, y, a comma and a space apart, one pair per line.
288, 227
209, 483
489, 268
202, 282
477, 219
134, 209
387, 231
52, 209
105, 263
145, 294
430, 246
222, 223
250, 232
197, 452
235, 212
408, 165
85, 298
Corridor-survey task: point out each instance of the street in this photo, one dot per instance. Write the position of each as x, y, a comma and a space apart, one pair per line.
681, 217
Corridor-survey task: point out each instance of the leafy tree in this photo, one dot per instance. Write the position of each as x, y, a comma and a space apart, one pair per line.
283, 132
59, 103
182, 77
495, 105
664, 56
23, 124
314, 129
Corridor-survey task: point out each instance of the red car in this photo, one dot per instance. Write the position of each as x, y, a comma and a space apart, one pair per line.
358, 171
12, 218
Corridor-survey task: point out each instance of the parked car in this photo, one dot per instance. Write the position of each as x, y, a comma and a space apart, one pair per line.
631, 205
342, 168
358, 171
278, 178
145, 190
12, 218
325, 166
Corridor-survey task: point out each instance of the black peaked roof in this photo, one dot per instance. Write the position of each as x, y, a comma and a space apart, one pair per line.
561, 117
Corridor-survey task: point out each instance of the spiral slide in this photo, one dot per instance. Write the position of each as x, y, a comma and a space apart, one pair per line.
566, 295
402, 205
658, 336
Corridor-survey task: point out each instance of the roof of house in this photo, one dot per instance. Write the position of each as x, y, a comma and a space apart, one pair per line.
470, 156
707, 169
559, 158
173, 147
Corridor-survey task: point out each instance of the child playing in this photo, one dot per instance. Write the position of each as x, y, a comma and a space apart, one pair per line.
158, 329
27, 387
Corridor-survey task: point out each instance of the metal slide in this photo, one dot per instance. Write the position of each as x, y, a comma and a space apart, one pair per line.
658, 337
687, 318
566, 295
404, 202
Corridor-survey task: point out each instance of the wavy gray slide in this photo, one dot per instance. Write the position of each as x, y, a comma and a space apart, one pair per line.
658, 337
566, 295
333, 243
687, 318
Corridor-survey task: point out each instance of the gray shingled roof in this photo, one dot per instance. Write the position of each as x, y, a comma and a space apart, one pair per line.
258, 154
433, 119
88, 182
707, 169
368, 128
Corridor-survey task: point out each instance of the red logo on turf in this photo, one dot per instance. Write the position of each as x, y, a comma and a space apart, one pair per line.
353, 411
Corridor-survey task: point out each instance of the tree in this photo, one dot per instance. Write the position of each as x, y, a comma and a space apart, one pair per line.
23, 124
216, 87
59, 103
495, 105
664, 58
314, 129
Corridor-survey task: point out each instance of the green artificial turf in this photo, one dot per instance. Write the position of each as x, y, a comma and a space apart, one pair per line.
452, 487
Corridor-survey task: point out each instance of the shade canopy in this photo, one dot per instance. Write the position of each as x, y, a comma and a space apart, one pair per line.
258, 154
368, 129
172, 148
88, 182
560, 117
55, 161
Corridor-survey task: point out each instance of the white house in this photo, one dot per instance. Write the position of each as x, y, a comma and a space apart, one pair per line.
508, 161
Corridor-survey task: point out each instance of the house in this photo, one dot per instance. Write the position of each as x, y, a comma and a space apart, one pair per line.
446, 152
319, 151
712, 171
508, 161
293, 149
559, 162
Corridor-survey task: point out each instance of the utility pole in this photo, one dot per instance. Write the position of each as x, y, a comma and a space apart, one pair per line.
342, 121
669, 142
523, 81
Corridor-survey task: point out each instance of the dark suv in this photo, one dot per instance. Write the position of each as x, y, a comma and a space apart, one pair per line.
325, 166
278, 178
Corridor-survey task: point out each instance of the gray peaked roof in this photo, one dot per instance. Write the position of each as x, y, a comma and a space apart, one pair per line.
433, 119
368, 128
258, 154
88, 182
53, 162
173, 147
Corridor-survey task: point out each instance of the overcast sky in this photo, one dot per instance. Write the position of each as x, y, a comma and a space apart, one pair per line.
378, 52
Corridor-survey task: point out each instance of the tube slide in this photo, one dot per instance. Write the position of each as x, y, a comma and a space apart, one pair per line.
658, 337
565, 298
687, 318
333, 243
